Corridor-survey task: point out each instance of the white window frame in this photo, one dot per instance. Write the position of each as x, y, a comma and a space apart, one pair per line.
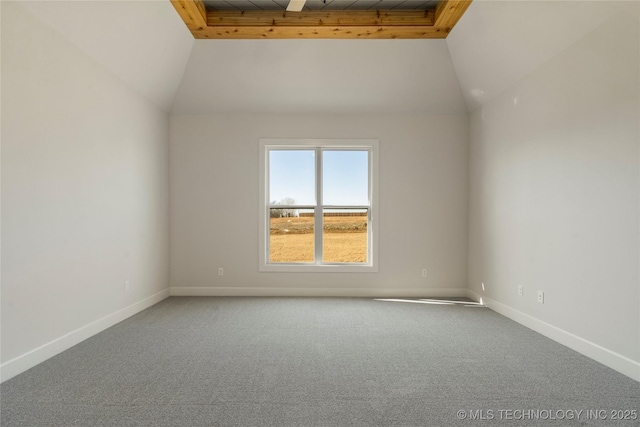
371, 146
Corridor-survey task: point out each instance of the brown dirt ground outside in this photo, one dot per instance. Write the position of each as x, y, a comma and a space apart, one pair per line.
344, 239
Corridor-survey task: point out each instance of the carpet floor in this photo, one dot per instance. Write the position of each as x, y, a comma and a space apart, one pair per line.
237, 361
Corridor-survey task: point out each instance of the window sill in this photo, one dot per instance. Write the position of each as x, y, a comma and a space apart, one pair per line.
312, 268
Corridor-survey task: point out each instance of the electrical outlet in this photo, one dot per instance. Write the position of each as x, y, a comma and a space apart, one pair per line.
127, 286
424, 272
520, 290
541, 297
220, 271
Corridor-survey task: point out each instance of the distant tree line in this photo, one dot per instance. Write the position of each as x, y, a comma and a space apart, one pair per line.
284, 213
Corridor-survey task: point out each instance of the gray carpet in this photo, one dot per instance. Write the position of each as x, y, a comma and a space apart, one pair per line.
316, 362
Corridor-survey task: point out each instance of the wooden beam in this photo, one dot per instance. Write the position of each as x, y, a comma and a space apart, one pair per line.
254, 18
448, 12
318, 24
370, 24
320, 32
192, 12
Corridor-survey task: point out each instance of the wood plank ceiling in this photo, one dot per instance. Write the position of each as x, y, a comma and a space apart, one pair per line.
321, 19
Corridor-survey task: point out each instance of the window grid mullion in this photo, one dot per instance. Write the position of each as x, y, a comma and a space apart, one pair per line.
317, 227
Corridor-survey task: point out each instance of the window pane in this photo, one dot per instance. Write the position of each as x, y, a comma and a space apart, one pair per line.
345, 179
344, 237
291, 235
292, 177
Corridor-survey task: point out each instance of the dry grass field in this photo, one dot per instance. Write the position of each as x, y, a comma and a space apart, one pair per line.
345, 239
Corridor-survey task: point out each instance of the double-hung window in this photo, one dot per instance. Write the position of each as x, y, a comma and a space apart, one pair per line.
318, 205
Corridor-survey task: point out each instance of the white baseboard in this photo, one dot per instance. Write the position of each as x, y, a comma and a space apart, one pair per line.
609, 358
38, 355
316, 292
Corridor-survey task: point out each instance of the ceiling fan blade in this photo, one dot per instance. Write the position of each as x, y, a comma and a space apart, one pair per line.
296, 5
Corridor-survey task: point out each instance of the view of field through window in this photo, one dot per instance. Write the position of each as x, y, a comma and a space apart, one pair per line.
344, 238
345, 202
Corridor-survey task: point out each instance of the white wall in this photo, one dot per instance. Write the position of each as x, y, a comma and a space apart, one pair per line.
214, 204
555, 196
84, 195
325, 77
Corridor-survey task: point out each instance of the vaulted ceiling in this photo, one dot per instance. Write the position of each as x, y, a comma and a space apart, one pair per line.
321, 19
494, 45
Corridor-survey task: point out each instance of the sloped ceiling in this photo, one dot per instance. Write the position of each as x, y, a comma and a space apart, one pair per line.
143, 42
320, 76
494, 45
497, 43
